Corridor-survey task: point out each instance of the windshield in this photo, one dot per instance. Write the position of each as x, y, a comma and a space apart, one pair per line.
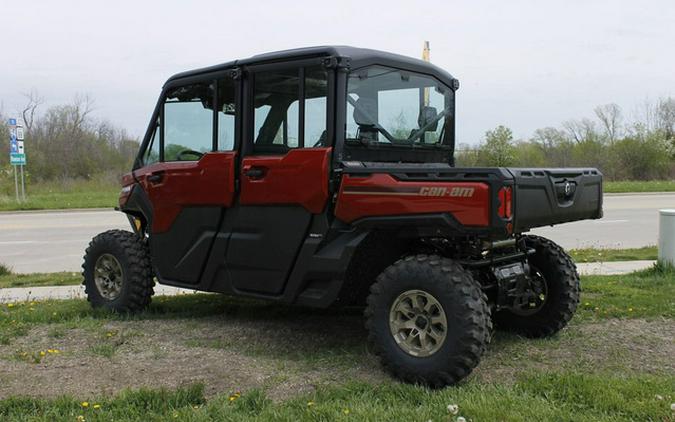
391, 107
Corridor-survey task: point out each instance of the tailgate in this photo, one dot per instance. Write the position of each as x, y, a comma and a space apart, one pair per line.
544, 197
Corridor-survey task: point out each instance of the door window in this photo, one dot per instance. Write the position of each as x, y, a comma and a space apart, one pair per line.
226, 114
281, 98
152, 153
188, 122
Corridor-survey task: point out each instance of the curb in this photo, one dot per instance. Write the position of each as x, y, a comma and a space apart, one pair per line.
56, 211
639, 194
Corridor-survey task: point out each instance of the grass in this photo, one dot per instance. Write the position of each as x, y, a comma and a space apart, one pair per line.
607, 255
626, 186
538, 396
571, 392
8, 279
69, 194
645, 294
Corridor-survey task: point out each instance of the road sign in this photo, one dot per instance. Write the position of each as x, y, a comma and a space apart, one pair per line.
19, 133
20, 147
12, 122
13, 146
17, 159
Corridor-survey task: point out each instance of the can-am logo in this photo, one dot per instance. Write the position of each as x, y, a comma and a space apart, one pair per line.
455, 192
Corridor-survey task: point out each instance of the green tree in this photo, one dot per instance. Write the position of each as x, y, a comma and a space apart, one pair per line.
498, 149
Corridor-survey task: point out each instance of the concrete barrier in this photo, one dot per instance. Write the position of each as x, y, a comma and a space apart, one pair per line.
667, 236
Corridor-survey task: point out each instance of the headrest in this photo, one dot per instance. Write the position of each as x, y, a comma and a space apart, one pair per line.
365, 111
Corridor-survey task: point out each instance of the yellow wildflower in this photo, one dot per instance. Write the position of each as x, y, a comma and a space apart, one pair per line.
80, 418
10, 305
345, 411
310, 403
84, 404
97, 406
630, 309
42, 353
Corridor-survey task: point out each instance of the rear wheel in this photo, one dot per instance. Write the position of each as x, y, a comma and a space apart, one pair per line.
117, 272
428, 320
556, 298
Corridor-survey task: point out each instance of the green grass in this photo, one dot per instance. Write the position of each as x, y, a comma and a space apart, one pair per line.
570, 393
562, 396
39, 279
69, 194
645, 294
606, 255
625, 186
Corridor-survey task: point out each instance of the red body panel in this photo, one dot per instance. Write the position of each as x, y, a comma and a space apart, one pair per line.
209, 181
299, 177
381, 195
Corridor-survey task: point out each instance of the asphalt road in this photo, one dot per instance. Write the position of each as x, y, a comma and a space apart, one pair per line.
55, 241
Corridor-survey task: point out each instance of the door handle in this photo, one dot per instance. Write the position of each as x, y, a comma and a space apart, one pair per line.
156, 177
255, 172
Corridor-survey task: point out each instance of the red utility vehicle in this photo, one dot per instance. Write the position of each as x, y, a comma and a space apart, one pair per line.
325, 176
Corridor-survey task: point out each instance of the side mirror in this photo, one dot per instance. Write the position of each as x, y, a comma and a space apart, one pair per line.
428, 117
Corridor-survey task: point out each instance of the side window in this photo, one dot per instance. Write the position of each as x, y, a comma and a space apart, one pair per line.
316, 97
280, 100
389, 106
188, 122
275, 99
152, 153
226, 114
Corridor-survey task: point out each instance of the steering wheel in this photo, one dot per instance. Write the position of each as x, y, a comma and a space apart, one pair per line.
183, 153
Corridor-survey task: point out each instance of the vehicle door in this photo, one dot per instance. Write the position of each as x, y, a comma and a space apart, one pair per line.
284, 173
188, 173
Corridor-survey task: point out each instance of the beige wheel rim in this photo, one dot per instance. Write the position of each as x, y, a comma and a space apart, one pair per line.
108, 276
418, 323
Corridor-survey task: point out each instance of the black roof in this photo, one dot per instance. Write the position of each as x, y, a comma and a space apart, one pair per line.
358, 57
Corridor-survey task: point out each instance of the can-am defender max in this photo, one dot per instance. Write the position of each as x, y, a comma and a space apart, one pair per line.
325, 176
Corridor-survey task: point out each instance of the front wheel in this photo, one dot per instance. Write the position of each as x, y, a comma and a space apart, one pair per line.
428, 320
117, 272
555, 271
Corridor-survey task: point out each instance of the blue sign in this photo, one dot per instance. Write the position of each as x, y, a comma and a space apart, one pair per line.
13, 146
12, 122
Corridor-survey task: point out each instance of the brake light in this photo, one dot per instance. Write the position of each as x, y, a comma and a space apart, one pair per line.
505, 202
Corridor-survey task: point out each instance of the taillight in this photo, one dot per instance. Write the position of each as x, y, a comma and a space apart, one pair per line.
505, 196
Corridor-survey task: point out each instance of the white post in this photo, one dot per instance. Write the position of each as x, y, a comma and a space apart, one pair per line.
16, 184
667, 236
23, 186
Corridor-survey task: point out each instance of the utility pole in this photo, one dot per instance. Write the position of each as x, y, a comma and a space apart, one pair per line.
425, 57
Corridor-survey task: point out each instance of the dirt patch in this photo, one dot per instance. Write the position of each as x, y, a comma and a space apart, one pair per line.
289, 352
612, 346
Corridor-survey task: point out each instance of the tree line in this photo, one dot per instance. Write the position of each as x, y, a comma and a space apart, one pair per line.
66, 142
640, 149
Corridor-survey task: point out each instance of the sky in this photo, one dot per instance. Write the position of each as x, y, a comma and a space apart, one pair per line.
523, 64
